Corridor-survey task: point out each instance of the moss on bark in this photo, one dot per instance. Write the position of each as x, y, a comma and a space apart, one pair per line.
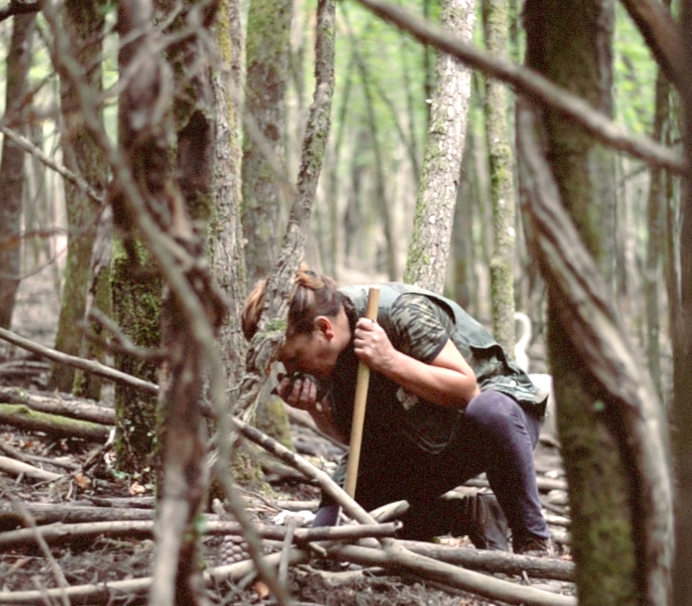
136, 292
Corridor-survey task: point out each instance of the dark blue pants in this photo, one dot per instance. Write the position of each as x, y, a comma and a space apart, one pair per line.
496, 436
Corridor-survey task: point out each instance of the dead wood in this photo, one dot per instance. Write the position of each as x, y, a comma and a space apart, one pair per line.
20, 415
18, 468
59, 404
69, 513
87, 365
495, 561
22, 368
59, 533
30, 459
510, 593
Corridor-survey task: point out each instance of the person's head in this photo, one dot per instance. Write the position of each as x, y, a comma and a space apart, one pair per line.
314, 304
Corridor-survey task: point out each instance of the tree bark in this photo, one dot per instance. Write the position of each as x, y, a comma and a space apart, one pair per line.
428, 251
264, 193
501, 160
613, 438
682, 341
83, 23
12, 171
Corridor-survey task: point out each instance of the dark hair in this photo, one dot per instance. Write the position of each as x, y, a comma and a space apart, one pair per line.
311, 296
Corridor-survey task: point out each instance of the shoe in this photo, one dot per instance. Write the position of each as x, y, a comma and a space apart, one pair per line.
531, 545
480, 517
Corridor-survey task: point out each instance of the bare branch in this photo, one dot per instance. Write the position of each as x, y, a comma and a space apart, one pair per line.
662, 35
65, 173
90, 366
17, 7
532, 84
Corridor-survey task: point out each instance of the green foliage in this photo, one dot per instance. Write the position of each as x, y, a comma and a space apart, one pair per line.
390, 59
634, 76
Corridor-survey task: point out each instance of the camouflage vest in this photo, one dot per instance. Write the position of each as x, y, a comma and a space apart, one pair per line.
430, 426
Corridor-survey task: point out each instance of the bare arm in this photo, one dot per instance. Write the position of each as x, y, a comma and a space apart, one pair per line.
448, 380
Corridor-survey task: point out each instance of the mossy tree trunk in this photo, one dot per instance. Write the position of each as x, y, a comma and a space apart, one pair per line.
173, 91
572, 46
264, 190
136, 300
428, 252
225, 226
12, 172
83, 21
501, 160
613, 437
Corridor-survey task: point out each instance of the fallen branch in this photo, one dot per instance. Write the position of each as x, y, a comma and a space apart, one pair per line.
397, 557
17, 468
62, 533
87, 365
20, 415
495, 561
48, 513
60, 404
508, 592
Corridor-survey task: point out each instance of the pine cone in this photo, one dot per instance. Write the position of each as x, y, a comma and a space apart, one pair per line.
233, 550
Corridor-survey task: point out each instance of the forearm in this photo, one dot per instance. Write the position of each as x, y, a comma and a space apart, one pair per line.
437, 384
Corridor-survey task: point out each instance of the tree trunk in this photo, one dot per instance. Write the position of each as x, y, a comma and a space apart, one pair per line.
655, 247
157, 206
428, 251
225, 227
682, 342
136, 299
501, 160
610, 421
83, 22
263, 170
12, 172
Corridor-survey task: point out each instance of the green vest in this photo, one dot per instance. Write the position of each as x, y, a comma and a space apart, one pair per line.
430, 426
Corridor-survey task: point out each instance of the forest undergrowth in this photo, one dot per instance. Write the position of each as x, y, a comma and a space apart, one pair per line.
96, 524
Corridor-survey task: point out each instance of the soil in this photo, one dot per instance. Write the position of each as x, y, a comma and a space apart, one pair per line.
102, 558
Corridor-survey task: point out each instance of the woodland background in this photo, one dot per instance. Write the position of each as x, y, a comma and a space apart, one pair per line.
159, 157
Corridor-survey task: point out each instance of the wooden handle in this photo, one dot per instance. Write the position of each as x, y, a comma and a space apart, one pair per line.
359, 404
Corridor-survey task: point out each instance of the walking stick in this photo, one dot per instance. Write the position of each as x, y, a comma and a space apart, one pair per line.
362, 381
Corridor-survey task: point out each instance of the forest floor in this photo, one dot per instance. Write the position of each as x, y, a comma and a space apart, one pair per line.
86, 557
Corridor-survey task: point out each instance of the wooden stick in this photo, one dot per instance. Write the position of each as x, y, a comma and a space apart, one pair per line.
362, 383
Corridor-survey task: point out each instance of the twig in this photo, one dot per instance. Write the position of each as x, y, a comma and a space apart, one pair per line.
532, 84
330, 487
477, 583
90, 366
55, 568
286, 549
59, 533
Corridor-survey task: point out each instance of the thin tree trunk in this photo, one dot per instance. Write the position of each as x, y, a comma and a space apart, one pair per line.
83, 21
267, 49
155, 205
656, 223
682, 343
12, 173
426, 264
501, 160
464, 284
225, 228
380, 194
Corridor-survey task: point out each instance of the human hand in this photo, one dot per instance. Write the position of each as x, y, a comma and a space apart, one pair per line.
298, 390
372, 345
